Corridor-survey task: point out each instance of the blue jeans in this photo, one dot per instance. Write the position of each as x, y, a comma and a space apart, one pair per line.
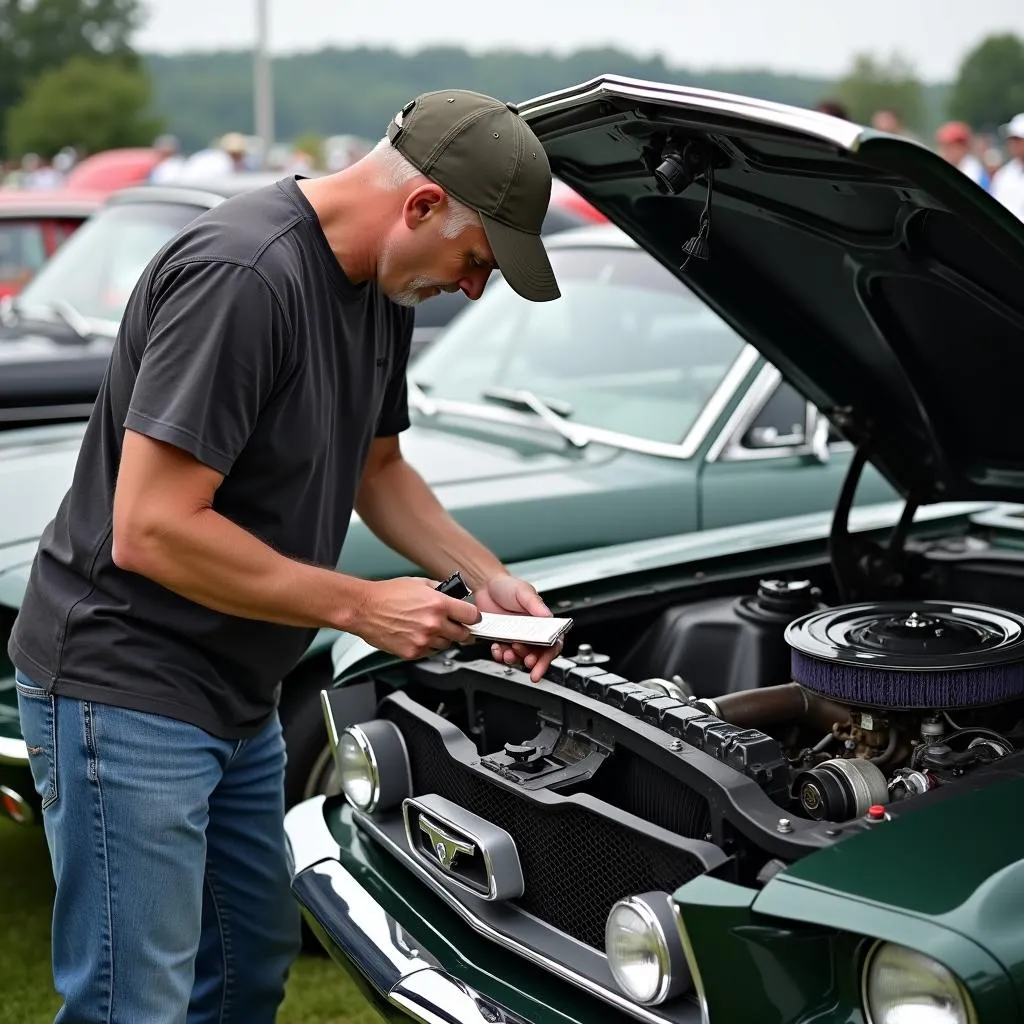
168, 851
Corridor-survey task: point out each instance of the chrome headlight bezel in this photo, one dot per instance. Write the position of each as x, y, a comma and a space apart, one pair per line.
386, 760
966, 1006
654, 909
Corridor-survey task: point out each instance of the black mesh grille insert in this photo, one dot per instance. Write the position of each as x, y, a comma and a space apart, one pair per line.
576, 863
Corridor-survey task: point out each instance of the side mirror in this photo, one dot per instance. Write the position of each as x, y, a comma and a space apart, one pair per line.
769, 437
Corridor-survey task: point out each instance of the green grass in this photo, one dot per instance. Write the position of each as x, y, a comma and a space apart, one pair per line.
318, 991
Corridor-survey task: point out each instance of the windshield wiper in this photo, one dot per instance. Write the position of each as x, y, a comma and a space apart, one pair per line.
550, 411
66, 312
60, 308
419, 398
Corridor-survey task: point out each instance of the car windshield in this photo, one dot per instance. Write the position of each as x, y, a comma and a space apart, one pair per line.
627, 348
95, 270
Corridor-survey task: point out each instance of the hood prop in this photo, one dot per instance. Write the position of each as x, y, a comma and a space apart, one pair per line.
863, 569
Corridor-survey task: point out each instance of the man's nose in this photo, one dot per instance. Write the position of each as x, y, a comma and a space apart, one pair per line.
473, 284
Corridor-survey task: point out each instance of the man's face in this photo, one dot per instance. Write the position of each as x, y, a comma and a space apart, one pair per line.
1016, 148
419, 262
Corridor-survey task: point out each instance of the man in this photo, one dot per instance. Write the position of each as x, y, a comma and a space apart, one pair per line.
1008, 181
955, 141
171, 161
256, 394
226, 157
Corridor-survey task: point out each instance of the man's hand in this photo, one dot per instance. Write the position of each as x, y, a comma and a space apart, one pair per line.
408, 617
509, 596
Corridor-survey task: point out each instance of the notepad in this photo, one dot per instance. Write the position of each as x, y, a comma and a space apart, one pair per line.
537, 631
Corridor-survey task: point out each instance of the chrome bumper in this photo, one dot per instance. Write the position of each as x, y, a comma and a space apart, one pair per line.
357, 929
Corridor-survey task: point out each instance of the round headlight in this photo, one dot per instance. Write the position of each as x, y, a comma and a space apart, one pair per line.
373, 766
643, 948
902, 985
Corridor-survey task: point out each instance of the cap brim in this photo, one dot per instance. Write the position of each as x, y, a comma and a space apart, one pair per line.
522, 260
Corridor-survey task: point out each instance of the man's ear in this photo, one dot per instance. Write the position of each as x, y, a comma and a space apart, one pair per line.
423, 202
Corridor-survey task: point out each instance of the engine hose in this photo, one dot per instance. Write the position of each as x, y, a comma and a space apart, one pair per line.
788, 702
890, 747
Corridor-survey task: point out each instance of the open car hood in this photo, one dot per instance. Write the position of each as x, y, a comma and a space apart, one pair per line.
882, 282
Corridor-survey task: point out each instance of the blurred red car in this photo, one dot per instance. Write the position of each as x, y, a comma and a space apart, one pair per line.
565, 198
32, 226
113, 169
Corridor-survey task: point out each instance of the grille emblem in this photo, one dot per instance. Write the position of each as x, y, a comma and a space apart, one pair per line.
467, 851
446, 846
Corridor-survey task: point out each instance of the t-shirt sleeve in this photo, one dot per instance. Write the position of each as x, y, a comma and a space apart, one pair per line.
394, 410
215, 348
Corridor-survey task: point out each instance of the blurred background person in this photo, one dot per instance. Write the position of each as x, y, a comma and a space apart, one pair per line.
171, 160
833, 108
955, 141
888, 120
227, 156
1008, 181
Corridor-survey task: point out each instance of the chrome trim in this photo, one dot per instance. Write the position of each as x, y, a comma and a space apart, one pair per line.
430, 407
691, 960
435, 997
371, 763
308, 836
386, 732
13, 752
719, 400
497, 849
759, 112
380, 949
727, 447
445, 845
609, 995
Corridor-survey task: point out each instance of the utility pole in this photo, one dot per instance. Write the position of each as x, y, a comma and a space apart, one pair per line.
263, 86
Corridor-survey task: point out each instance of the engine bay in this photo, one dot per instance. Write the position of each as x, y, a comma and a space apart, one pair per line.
766, 725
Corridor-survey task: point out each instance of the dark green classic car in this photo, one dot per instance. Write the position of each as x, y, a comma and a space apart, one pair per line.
776, 774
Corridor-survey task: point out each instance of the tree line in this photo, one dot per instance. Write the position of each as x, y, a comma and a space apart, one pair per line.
69, 75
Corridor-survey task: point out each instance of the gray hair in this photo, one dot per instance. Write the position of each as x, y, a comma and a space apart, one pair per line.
394, 171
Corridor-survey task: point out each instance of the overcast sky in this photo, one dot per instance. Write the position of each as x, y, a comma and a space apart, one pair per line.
811, 36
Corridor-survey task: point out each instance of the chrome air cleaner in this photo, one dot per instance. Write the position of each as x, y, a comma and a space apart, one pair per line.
923, 654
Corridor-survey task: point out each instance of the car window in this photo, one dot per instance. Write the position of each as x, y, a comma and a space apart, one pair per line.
96, 269
627, 348
22, 250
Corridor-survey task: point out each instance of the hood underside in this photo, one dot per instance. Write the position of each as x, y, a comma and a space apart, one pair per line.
882, 282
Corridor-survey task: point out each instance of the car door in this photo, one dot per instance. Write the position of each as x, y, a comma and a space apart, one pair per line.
777, 456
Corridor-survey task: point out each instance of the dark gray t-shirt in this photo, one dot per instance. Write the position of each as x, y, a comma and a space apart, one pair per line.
245, 345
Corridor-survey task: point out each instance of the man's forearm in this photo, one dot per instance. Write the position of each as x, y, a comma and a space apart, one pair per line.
401, 509
212, 561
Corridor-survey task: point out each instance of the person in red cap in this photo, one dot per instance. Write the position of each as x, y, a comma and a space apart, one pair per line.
955, 141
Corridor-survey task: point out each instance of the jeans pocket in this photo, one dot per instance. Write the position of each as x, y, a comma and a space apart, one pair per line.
37, 710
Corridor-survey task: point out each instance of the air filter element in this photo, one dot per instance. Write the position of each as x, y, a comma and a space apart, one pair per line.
926, 654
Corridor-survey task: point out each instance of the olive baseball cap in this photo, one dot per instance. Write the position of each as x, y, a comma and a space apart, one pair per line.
484, 154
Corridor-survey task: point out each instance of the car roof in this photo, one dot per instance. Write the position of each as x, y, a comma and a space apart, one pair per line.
599, 235
48, 203
209, 192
